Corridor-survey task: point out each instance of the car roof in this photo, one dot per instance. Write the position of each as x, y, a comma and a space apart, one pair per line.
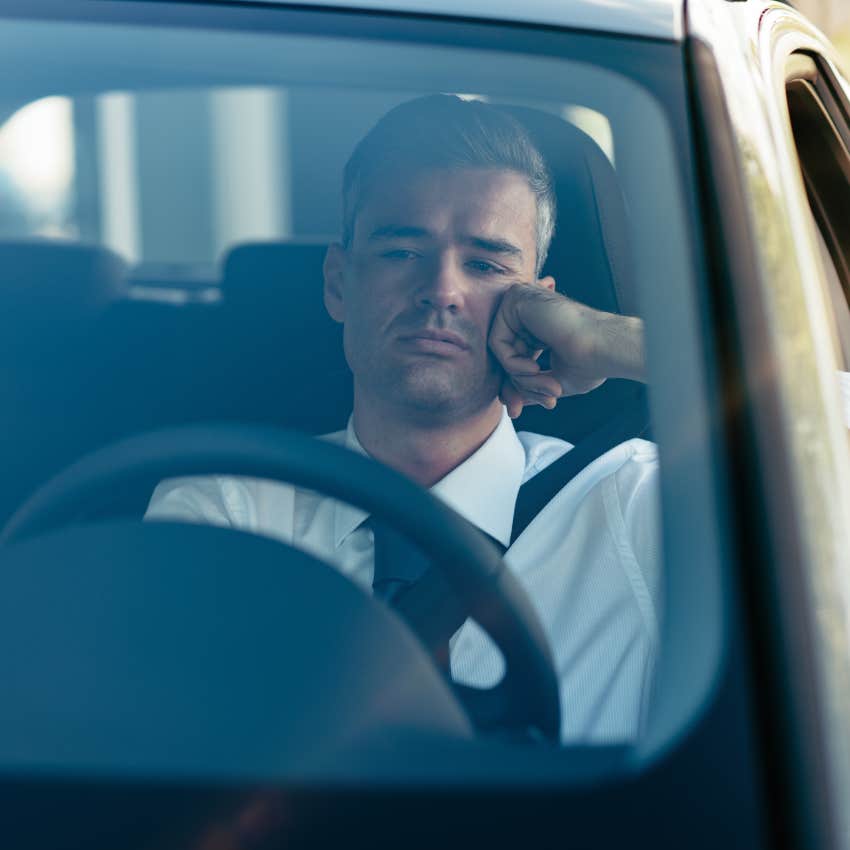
650, 18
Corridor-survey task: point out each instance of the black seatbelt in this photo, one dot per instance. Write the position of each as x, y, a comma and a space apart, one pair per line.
537, 492
431, 608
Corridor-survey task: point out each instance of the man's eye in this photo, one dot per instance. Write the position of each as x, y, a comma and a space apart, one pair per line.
399, 254
484, 267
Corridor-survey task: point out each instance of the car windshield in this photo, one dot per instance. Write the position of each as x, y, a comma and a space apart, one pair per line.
179, 250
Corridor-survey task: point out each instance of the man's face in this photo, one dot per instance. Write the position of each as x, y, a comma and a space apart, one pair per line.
417, 287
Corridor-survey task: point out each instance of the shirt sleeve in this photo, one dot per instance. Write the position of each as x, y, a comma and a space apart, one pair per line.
640, 506
844, 383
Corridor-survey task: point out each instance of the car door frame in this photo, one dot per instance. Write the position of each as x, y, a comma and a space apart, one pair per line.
781, 338
785, 37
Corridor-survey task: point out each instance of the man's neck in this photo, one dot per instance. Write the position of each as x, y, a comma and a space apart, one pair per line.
423, 451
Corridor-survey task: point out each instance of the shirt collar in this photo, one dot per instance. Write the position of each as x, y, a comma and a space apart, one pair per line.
347, 517
483, 488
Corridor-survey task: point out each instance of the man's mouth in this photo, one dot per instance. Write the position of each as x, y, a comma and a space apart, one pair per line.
435, 340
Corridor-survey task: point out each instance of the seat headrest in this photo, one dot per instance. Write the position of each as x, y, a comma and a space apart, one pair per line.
280, 334
57, 283
280, 284
589, 257
288, 272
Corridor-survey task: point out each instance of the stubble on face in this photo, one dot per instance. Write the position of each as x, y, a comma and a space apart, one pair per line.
432, 385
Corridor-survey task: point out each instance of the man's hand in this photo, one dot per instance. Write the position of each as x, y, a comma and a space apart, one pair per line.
585, 346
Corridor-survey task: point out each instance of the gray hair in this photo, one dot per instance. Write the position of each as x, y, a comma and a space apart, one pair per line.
446, 132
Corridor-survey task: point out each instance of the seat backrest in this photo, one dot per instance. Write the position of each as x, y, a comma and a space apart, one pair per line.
51, 291
53, 297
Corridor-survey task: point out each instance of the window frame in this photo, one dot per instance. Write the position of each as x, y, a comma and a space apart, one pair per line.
813, 594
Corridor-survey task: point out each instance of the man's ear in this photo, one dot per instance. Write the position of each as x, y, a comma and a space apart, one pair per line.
334, 271
548, 282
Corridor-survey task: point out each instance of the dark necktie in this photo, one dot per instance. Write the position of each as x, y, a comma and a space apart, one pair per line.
398, 562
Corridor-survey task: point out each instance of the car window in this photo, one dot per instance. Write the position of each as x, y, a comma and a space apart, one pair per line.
169, 193
837, 299
817, 125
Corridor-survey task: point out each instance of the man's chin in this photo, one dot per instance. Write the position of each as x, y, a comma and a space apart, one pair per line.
443, 400
432, 391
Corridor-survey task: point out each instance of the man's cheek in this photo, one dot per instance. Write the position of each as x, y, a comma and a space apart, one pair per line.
492, 299
492, 312
363, 338
493, 365
362, 264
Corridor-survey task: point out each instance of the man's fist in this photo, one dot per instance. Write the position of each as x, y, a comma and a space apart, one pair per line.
585, 346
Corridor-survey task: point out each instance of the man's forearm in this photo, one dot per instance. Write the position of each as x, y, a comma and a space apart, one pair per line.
586, 346
620, 352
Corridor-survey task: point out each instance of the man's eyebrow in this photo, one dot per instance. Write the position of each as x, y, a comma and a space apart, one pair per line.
490, 244
392, 231
494, 246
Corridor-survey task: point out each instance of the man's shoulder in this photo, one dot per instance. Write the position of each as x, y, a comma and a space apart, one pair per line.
630, 468
208, 497
542, 450
235, 498
637, 451
633, 464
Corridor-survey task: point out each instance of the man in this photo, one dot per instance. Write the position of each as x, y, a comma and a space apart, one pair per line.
448, 213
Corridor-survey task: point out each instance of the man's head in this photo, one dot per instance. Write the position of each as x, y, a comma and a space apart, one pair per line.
446, 203
446, 133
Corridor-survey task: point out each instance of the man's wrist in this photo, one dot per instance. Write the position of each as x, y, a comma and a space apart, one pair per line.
620, 349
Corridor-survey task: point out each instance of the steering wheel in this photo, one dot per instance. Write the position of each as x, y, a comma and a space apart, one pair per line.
528, 693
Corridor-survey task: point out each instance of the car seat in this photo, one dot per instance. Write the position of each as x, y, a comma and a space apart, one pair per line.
54, 372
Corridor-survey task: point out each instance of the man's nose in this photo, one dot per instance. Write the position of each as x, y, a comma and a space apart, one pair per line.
443, 286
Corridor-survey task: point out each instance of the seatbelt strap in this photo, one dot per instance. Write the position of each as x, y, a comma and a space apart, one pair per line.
431, 608
434, 612
537, 492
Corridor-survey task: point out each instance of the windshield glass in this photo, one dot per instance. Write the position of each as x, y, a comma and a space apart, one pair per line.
415, 237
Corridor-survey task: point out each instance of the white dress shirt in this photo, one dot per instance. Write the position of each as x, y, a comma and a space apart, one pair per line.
590, 561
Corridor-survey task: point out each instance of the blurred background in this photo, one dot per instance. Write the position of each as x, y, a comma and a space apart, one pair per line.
87, 167
833, 17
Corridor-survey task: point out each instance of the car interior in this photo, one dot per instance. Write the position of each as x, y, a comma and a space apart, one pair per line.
242, 357
104, 353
